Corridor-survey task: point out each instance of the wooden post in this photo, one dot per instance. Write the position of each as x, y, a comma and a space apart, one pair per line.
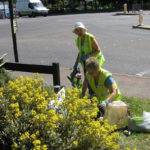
56, 74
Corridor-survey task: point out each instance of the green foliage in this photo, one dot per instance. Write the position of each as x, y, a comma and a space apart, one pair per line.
100, 4
5, 76
140, 141
137, 105
75, 78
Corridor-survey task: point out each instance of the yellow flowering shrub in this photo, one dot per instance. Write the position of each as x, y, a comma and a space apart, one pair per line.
80, 128
31, 122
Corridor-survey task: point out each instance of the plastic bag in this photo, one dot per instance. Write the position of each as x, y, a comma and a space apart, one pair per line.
140, 124
60, 97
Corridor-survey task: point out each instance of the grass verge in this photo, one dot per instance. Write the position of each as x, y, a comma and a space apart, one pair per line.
140, 141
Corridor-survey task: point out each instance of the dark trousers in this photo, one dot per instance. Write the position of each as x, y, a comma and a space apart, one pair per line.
100, 112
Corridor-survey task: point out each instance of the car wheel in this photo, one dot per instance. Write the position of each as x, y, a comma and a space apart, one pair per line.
33, 15
29, 16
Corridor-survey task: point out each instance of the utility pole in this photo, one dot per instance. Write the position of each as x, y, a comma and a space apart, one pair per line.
13, 30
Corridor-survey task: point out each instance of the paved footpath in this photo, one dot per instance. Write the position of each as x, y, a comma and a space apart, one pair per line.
129, 85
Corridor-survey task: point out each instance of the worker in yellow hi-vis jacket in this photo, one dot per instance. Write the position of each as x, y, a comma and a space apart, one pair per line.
102, 84
87, 46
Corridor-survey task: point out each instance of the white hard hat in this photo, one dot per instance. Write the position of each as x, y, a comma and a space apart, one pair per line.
79, 25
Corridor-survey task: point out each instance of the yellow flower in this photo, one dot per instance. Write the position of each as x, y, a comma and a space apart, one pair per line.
21, 78
53, 127
36, 75
60, 116
37, 147
75, 143
14, 145
34, 81
39, 89
28, 80
16, 81
37, 132
41, 80
77, 122
25, 95
27, 134
7, 116
13, 97
53, 132
28, 101
130, 148
1, 89
18, 114
44, 147
56, 102
15, 105
49, 99
1, 95
63, 97
42, 105
33, 112
11, 121
40, 118
45, 93
51, 112
36, 142
24, 136
30, 93
33, 136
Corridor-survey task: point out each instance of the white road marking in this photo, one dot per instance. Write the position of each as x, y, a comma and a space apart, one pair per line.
143, 73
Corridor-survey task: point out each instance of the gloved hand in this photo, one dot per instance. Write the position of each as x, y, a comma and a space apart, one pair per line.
84, 57
75, 65
105, 103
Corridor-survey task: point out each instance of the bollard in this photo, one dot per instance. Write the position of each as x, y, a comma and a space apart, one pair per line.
140, 17
125, 8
